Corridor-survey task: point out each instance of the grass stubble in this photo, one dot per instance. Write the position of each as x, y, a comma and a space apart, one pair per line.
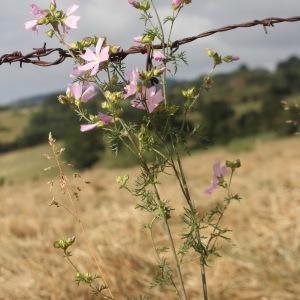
262, 264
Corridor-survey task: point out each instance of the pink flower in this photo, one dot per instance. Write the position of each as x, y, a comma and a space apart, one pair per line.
134, 3
95, 59
177, 3
138, 39
87, 127
81, 91
218, 172
131, 88
38, 13
153, 98
105, 119
158, 56
71, 21
231, 58
76, 73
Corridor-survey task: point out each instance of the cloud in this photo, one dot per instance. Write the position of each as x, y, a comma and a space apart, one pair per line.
120, 23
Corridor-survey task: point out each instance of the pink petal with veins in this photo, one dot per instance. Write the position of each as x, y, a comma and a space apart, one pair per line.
89, 93
76, 90
95, 69
99, 46
87, 127
72, 9
72, 22
37, 11
89, 55
105, 118
88, 66
31, 25
104, 55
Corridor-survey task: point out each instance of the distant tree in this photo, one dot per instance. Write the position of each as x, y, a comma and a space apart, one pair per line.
83, 149
218, 119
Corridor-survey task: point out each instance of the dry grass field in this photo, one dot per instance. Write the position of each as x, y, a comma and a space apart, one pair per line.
262, 263
13, 122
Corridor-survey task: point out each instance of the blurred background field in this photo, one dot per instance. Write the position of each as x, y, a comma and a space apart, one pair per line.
261, 263
242, 117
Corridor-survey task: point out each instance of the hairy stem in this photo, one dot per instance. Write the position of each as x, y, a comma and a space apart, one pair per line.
185, 190
160, 204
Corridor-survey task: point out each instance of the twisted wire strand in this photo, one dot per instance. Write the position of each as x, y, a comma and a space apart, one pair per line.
35, 56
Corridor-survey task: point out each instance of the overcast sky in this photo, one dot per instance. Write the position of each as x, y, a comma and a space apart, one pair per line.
116, 20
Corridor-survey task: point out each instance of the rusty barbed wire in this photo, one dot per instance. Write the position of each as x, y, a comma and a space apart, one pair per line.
35, 56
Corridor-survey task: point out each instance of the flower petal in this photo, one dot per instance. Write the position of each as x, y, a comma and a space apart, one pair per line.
88, 66
37, 11
76, 73
31, 25
138, 39
99, 45
137, 104
72, 9
158, 56
95, 69
210, 190
89, 55
155, 98
87, 127
72, 21
104, 54
76, 90
89, 93
130, 90
105, 118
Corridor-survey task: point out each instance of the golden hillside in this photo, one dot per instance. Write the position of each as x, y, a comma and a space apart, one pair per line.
262, 264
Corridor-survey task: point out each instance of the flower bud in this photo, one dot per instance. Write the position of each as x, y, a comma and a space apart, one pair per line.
105, 105
75, 45
189, 93
211, 53
59, 14
63, 99
215, 56
42, 21
122, 180
147, 39
50, 33
114, 49
64, 244
158, 72
52, 6
158, 56
233, 164
145, 5
114, 79
230, 58
134, 3
114, 96
77, 102
177, 3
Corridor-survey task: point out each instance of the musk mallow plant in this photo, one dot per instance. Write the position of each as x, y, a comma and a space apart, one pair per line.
157, 139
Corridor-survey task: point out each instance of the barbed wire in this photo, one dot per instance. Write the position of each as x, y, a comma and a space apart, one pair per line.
35, 56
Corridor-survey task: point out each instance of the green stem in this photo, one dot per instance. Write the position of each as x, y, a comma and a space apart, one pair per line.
164, 50
174, 17
184, 187
213, 237
158, 255
160, 205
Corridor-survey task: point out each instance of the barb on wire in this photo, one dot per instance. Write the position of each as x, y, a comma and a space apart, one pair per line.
35, 56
